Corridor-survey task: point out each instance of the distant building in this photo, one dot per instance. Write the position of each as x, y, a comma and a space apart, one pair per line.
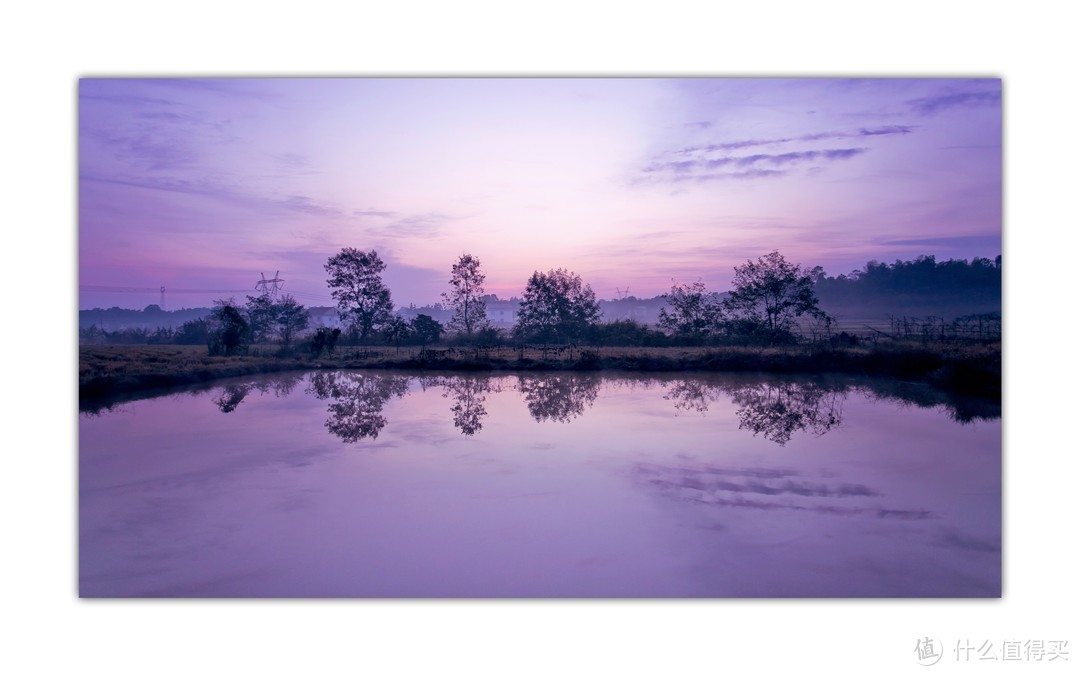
503, 313
324, 317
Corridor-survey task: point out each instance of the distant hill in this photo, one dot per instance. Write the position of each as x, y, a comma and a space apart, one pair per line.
150, 317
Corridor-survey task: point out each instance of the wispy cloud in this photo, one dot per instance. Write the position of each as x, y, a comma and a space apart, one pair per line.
887, 130
293, 160
127, 100
741, 167
147, 150
964, 242
930, 105
224, 193
419, 225
157, 135
306, 205
228, 87
731, 175
373, 213
736, 159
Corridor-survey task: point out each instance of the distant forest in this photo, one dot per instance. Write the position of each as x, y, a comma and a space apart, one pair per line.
150, 317
924, 286
921, 287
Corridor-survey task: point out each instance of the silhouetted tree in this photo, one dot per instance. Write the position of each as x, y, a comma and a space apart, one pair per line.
92, 335
290, 318
626, 332
363, 300
260, 313
394, 330
162, 335
769, 294
556, 306
692, 312
324, 338
426, 329
193, 332
465, 296
228, 329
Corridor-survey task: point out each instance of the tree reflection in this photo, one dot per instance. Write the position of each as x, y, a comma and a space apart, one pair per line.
962, 409
468, 408
280, 384
231, 396
358, 400
777, 410
692, 395
558, 397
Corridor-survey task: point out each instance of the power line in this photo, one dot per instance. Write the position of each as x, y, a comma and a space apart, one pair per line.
308, 297
154, 289
270, 287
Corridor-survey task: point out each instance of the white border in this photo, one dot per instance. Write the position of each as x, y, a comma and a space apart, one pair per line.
47, 47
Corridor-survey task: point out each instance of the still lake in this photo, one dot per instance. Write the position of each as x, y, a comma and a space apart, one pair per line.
400, 484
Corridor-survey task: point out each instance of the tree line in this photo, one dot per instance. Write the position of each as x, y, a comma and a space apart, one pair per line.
924, 283
771, 301
557, 307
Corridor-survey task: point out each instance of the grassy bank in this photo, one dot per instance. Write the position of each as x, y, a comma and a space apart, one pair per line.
111, 370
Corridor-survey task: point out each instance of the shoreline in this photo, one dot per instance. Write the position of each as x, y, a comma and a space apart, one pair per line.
134, 371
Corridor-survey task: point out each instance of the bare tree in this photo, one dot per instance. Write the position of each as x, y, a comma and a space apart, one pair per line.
466, 289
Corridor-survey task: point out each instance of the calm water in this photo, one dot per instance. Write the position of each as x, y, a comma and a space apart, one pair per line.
360, 484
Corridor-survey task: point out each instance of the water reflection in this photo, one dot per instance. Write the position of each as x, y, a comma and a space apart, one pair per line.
358, 400
281, 385
959, 408
231, 396
692, 395
649, 485
777, 410
469, 397
559, 398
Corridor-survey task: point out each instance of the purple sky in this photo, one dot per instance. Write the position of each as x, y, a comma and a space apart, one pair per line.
204, 184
